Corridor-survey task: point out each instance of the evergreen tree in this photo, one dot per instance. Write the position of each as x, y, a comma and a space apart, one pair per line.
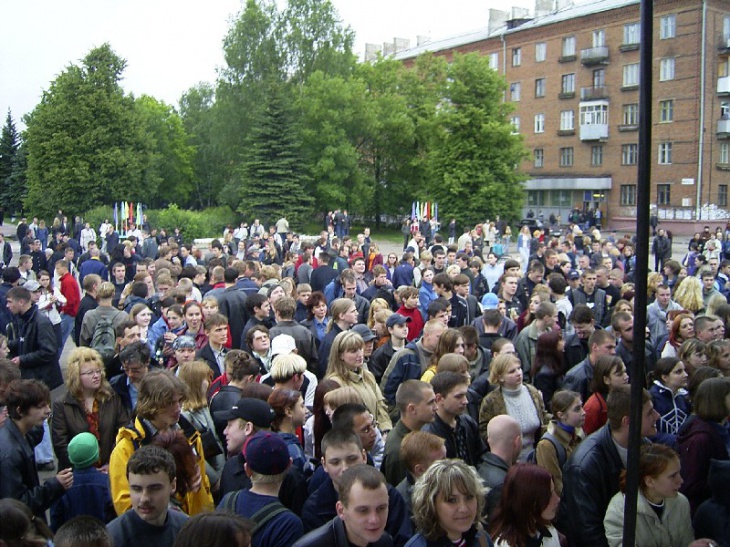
273, 178
9, 145
15, 188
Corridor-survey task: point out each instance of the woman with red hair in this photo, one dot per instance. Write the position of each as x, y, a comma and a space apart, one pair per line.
681, 330
527, 507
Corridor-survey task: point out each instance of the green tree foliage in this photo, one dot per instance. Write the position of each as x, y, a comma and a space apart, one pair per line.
16, 188
9, 145
198, 115
474, 155
84, 140
273, 180
168, 173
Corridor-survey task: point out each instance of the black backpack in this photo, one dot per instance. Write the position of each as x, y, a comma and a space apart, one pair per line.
104, 340
559, 449
261, 517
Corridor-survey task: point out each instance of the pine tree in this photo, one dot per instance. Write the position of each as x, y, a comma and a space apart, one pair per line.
9, 146
273, 176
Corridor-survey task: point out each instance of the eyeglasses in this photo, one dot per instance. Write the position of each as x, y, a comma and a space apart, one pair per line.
96, 372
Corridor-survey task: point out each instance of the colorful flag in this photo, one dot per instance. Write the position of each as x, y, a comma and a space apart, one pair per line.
116, 216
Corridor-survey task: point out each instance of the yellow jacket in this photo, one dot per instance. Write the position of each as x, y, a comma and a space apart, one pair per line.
364, 383
131, 437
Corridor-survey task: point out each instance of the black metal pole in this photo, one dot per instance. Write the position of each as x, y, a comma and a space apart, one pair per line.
643, 201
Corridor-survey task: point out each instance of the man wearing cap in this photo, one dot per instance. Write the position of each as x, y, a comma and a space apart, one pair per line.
416, 402
245, 419
368, 337
397, 326
267, 461
284, 310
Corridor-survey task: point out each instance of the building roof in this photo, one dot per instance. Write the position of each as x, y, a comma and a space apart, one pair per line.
588, 7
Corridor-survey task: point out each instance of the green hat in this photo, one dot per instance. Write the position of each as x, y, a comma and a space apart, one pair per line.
83, 450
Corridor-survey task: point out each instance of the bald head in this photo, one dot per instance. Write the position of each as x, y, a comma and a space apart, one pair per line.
504, 437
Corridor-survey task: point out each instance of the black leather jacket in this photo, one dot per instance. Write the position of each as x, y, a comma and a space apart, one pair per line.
333, 534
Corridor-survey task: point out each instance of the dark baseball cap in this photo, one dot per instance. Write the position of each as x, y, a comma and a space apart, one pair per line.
396, 319
256, 411
363, 330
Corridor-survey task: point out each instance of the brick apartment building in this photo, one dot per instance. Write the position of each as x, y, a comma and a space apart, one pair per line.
572, 73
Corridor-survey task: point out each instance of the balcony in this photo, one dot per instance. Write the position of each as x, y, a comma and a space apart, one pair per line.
593, 93
594, 56
723, 85
594, 132
723, 43
723, 129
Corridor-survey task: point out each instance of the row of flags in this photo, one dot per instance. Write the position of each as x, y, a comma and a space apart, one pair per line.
127, 212
424, 211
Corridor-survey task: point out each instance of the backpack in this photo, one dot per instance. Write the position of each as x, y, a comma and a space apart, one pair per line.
261, 517
559, 449
104, 340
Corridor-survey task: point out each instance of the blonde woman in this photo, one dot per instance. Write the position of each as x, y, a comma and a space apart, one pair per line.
688, 294
90, 404
513, 397
345, 366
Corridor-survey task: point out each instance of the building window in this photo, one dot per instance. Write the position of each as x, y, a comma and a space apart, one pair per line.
599, 77
517, 56
665, 153
666, 110
569, 46
666, 69
722, 195
540, 52
567, 120
539, 156
568, 83
594, 114
631, 114
596, 155
668, 27
561, 198
631, 34
629, 154
536, 198
515, 121
540, 87
599, 38
515, 90
539, 123
725, 153
631, 75
494, 61
566, 157
628, 195
663, 194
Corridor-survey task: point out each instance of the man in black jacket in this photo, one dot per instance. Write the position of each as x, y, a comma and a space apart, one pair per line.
31, 340
452, 423
591, 475
28, 403
362, 512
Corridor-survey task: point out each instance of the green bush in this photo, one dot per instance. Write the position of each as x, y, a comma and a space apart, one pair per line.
193, 224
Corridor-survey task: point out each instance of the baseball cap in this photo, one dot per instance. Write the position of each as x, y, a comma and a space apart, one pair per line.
266, 453
490, 301
363, 330
256, 411
282, 344
573, 275
396, 319
32, 285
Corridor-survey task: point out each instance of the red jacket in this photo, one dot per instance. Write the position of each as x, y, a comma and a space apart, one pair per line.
416, 325
70, 290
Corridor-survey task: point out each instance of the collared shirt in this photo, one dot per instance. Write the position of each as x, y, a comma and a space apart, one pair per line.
320, 327
132, 393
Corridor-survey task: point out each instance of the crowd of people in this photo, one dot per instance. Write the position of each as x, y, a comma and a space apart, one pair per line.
269, 390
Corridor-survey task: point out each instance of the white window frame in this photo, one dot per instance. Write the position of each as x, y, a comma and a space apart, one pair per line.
515, 91
494, 61
594, 114
666, 69
666, 111
568, 49
539, 123
540, 87
627, 195
517, 56
567, 156
568, 78
631, 114
567, 120
632, 33
629, 154
668, 27
665, 153
515, 121
539, 157
540, 52
631, 75
597, 155
599, 38
724, 153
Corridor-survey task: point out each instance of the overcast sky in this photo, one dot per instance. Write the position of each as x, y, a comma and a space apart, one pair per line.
172, 45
